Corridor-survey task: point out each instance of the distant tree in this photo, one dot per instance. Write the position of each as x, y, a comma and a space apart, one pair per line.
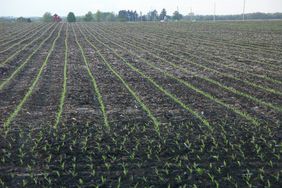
71, 17
110, 16
104, 16
47, 17
122, 15
79, 18
127, 15
163, 14
256, 15
135, 16
88, 17
140, 16
7, 19
152, 15
132, 16
98, 16
143, 18
107, 16
22, 19
177, 16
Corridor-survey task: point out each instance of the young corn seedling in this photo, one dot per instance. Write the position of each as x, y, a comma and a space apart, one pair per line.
125, 170
108, 166
178, 179
103, 180
247, 177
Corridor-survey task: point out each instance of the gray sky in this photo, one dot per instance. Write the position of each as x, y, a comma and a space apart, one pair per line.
80, 7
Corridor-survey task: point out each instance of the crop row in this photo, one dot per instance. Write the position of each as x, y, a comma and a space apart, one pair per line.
162, 89
22, 65
91, 160
24, 47
15, 31
221, 41
176, 54
34, 83
174, 98
171, 52
185, 83
23, 35
216, 60
185, 40
24, 39
213, 52
119, 77
209, 80
64, 90
197, 154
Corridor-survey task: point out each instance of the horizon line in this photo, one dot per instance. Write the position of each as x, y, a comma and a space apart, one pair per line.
143, 15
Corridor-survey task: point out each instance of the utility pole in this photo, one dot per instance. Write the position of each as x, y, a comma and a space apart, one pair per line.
214, 10
244, 6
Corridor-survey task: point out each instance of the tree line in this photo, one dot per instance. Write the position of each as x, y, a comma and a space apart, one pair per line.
122, 16
249, 16
154, 15
134, 16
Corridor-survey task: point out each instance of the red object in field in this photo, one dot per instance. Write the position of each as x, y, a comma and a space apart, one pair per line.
56, 18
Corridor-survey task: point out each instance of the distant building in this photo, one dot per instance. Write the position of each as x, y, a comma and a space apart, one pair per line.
56, 18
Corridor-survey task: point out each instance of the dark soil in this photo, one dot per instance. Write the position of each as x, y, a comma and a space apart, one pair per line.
132, 152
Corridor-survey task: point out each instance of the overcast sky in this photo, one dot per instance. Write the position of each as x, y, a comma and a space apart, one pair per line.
80, 7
